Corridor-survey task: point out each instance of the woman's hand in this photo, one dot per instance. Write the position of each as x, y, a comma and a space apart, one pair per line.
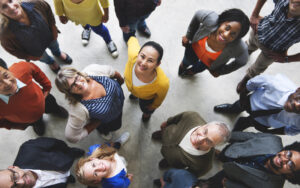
254, 21
185, 41
119, 78
163, 125
63, 19
130, 177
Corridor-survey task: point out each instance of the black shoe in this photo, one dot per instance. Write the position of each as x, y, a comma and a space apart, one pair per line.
163, 164
68, 60
39, 127
61, 112
181, 70
157, 135
226, 108
71, 179
132, 97
157, 182
242, 124
145, 31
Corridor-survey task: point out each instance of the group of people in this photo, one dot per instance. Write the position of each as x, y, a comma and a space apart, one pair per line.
212, 41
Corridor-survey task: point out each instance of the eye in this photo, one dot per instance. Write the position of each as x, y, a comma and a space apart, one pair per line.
228, 27
93, 165
5, 75
95, 174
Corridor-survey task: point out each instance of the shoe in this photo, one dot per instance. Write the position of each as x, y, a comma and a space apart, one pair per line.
146, 117
112, 48
107, 136
39, 127
68, 59
123, 138
181, 70
61, 112
145, 31
157, 135
163, 164
157, 182
85, 36
132, 97
71, 179
54, 67
225, 108
188, 72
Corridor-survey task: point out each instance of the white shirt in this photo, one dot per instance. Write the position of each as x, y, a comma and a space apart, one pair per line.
47, 177
136, 82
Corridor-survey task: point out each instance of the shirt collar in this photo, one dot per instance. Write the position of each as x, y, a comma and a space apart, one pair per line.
5, 98
284, 98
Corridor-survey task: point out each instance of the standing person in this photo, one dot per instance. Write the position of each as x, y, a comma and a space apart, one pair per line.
22, 101
143, 76
132, 15
90, 16
273, 34
28, 29
102, 98
212, 40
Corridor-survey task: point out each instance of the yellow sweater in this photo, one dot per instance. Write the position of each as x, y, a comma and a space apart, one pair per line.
157, 89
86, 12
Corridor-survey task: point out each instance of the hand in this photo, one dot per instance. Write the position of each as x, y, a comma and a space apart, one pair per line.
163, 125
46, 93
126, 29
130, 177
277, 57
254, 21
185, 41
63, 19
214, 73
241, 87
105, 18
223, 182
119, 78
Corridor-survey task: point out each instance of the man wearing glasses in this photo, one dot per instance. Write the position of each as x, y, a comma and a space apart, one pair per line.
256, 160
42, 162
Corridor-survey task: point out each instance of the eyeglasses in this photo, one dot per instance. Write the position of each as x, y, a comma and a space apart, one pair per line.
74, 83
15, 177
288, 154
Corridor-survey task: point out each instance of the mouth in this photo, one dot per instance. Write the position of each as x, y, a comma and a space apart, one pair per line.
278, 162
221, 38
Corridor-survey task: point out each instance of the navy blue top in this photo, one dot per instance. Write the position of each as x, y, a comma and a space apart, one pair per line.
37, 36
109, 107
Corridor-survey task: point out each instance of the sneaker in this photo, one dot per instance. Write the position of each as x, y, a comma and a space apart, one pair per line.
61, 112
107, 136
39, 127
85, 36
123, 138
145, 31
112, 48
132, 97
54, 67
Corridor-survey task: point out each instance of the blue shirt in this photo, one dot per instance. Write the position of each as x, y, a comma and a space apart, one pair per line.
271, 92
109, 107
37, 36
276, 31
5, 98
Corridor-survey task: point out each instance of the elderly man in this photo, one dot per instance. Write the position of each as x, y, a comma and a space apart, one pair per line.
42, 162
257, 160
274, 101
188, 141
274, 35
22, 101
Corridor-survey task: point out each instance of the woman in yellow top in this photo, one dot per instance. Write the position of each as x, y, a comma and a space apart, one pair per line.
143, 76
90, 16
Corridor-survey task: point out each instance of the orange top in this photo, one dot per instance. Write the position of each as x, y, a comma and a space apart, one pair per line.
205, 56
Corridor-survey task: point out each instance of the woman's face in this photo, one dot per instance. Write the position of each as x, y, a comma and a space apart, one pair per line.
78, 84
147, 60
11, 8
228, 32
96, 169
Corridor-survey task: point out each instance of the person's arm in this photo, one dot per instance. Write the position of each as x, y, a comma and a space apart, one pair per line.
93, 124
40, 77
59, 7
291, 130
133, 47
118, 77
120, 7
255, 18
105, 5
161, 93
244, 136
282, 57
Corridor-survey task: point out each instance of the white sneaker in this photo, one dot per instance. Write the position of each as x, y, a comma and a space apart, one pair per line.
108, 136
85, 36
123, 138
112, 48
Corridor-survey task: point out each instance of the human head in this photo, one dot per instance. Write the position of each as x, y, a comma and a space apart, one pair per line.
293, 102
96, 164
209, 135
280, 164
8, 82
13, 175
294, 8
11, 9
235, 15
66, 76
159, 49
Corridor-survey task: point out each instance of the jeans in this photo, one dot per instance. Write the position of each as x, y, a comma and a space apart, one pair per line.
135, 23
100, 30
190, 58
143, 105
54, 48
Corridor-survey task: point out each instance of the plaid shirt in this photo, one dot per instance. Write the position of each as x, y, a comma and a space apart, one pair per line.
276, 31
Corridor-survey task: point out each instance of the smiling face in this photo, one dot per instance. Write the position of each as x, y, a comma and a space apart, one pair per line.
293, 102
146, 61
206, 137
294, 8
8, 83
96, 169
228, 32
16, 177
285, 162
11, 8
78, 84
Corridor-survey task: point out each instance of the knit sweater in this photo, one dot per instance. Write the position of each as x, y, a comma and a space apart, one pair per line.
28, 104
86, 12
156, 90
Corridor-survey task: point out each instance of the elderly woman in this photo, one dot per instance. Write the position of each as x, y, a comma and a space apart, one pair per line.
28, 29
143, 76
96, 98
103, 166
212, 40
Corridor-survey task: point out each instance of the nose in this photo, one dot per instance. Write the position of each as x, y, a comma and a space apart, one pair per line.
226, 34
6, 82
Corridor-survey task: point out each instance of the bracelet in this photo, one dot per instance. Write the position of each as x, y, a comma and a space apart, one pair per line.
286, 59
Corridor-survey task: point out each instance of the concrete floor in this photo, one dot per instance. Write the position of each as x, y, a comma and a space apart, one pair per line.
168, 24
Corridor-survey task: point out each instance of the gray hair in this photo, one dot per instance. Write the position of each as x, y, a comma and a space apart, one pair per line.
224, 129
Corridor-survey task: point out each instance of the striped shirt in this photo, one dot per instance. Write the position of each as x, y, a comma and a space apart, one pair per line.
109, 107
277, 32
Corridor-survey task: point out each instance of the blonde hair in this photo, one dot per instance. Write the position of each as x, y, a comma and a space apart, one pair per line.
63, 86
104, 152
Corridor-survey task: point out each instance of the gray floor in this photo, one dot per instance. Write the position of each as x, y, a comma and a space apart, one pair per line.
200, 93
